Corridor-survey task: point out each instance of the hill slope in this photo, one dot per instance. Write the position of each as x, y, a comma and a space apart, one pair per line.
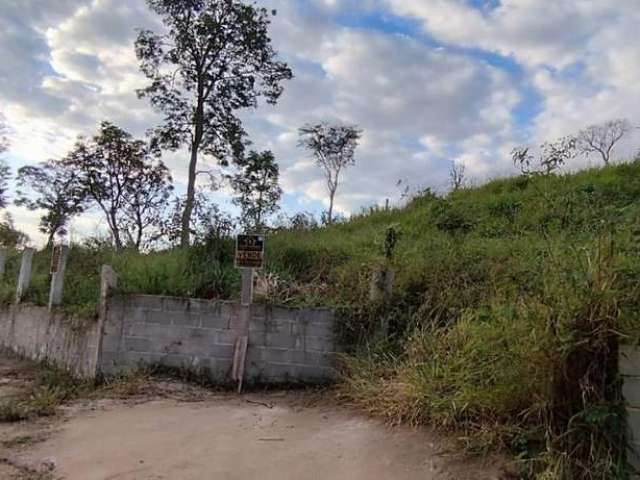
510, 301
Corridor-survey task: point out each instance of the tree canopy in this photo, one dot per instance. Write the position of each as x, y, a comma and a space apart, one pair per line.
257, 189
123, 177
215, 59
333, 147
54, 189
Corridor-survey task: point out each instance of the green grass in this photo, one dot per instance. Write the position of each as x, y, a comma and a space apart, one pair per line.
509, 302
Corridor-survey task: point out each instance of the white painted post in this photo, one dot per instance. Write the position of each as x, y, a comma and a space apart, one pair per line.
25, 273
246, 297
4, 253
108, 281
57, 276
242, 342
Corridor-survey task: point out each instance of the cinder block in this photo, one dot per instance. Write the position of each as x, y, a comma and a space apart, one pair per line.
138, 329
159, 317
111, 341
633, 457
226, 337
221, 352
633, 421
258, 311
282, 313
175, 304
318, 344
280, 340
301, 357
629, 360
307, 373
319, 329
186, 318
133, 315
146, 302
202, 306
269, 325
137, 344
214, 320
281, 372
134, 359
277, 355
631, 391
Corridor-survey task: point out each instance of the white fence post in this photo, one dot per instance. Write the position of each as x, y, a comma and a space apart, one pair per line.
58, 266
25, 274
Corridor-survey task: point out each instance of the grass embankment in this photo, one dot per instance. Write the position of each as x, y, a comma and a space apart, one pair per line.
509, 303
204, 271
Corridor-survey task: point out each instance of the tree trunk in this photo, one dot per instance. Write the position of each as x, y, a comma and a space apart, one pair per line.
50, 240
332, 195
185, 236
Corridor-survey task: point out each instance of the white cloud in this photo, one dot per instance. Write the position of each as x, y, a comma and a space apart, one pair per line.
68, 64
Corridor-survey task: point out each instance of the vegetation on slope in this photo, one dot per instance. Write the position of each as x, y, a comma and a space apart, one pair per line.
509, 303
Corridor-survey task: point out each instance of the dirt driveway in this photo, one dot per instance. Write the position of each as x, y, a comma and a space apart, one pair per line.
180, 433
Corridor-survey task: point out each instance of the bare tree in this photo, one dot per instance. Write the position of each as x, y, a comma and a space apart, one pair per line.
602, 138
457, 175
333, 147
553, 155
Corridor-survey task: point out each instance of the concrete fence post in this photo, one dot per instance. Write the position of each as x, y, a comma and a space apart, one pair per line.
108, 281
58, 267
4, 253
25, 274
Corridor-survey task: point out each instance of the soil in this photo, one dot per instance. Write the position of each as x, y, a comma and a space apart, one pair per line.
172, 431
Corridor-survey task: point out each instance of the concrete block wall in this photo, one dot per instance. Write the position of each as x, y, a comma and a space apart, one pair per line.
629, 368
57, 338
285, 345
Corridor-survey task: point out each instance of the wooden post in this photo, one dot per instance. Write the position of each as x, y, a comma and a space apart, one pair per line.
4, 253
58, 266
25, 274
242, 342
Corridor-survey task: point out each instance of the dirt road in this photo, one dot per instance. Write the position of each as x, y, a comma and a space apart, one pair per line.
267, 436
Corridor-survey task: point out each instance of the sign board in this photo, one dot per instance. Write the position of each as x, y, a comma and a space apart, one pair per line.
250, 251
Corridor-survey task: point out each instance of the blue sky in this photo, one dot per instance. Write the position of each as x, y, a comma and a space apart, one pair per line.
430, 82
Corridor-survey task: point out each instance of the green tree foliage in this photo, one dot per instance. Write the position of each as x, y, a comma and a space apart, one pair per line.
9, 236
207, 220
333, 147
257, 189
215, 58
54, 189
122, 176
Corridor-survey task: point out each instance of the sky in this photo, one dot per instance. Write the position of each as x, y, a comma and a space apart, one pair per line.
430, 82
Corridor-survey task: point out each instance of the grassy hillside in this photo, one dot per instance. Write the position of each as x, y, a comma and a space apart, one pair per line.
509, 304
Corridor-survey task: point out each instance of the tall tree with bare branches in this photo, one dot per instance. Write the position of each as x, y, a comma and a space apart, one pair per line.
602, 138
5, 171
215, 59
333, 147
457, 175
